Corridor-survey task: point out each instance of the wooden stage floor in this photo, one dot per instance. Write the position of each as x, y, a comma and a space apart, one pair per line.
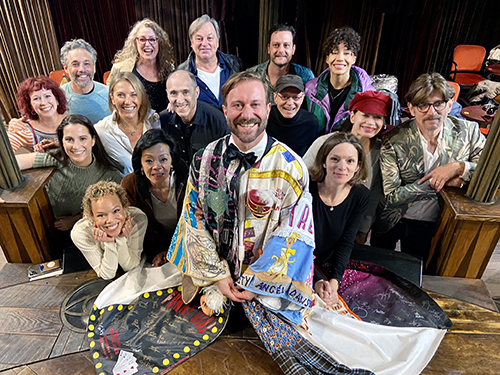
33, 340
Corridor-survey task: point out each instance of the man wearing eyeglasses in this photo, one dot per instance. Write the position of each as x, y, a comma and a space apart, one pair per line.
288, 123
419, 158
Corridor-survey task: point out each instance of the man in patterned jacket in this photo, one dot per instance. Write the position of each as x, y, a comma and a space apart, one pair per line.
246, 225
419, 158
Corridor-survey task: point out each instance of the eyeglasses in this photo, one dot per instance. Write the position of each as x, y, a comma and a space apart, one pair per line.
143, 40
294, 97
438, 106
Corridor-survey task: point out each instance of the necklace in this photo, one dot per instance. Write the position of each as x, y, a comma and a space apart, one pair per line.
125, 130
340, 92
331, 208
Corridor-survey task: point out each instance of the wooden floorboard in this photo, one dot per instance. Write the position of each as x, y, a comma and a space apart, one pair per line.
30, 321
22, 349
60, 343
13, 273
76, 343
33, 296
74, 364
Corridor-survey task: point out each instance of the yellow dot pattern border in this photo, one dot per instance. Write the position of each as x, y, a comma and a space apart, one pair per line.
167, 362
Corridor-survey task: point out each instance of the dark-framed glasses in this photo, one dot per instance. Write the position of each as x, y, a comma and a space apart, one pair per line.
438, 105
143, 40
285, 97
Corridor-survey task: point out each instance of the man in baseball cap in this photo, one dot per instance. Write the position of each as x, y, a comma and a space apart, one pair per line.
288, 123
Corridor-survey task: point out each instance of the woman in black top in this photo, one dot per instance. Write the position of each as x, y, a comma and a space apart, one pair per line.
339, 201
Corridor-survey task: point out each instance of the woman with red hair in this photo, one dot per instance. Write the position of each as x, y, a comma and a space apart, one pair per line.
42, 105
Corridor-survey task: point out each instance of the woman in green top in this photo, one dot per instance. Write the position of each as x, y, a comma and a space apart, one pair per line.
80, 161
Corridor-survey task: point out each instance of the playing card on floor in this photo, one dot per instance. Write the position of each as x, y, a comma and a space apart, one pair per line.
126, 364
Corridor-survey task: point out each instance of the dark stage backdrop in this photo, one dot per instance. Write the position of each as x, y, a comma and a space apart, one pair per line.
404, 38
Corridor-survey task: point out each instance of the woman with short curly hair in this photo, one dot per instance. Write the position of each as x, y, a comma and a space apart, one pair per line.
111, 233
328, 96
148, 54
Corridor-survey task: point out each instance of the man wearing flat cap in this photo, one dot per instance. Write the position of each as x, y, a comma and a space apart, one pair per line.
288, 123
417, 159
368, 112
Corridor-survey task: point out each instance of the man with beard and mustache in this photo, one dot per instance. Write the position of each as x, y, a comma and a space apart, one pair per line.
85, 96
193, 124
417, 159
281, 48
246, 194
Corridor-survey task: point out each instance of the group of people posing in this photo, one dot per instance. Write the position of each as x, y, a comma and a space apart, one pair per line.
211, 159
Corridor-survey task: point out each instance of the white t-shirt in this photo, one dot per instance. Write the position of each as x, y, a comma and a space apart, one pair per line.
212, 80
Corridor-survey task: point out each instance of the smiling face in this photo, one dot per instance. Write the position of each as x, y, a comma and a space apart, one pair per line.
340, 60
341, 164
156, 163
77, 143
281, 48
182, 95
125, 100
289, 101
81, 70
204, 42
109, 214
44, 103
246, 112
431, 120
146, 47
366, 125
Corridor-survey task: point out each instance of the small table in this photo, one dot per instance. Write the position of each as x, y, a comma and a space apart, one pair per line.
27, 220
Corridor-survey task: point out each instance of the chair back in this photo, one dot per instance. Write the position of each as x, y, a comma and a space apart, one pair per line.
59, 77
456, 87
469, 57
105, 76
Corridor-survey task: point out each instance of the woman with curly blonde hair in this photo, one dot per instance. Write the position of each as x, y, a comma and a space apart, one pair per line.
111, 233
148, 54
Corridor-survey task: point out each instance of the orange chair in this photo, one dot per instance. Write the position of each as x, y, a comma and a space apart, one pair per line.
59, 77
456, 87
467, 64
105, 76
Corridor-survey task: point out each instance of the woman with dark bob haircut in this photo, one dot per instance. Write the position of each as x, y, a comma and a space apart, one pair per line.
80, 161
339, 202
157, 188
43, 106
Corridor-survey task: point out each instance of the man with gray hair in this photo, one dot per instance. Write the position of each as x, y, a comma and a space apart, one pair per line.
85, 96
194, 124
210, 66
417, 159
